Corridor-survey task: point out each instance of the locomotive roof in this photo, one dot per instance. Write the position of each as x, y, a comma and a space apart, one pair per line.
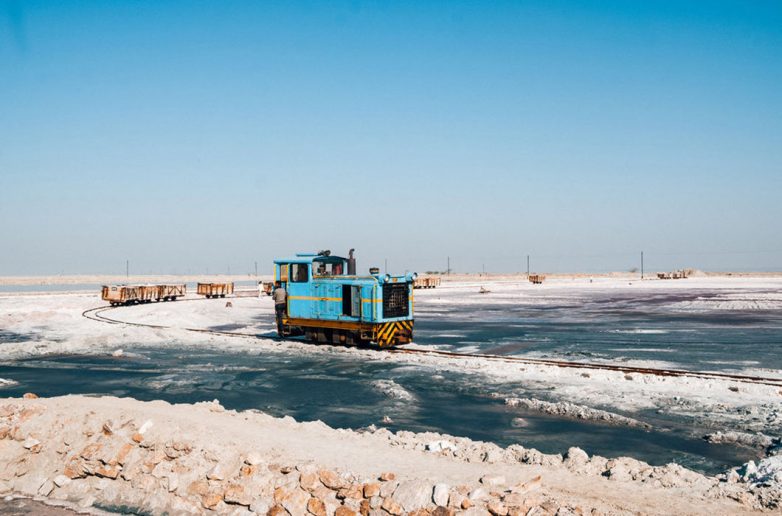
308, 258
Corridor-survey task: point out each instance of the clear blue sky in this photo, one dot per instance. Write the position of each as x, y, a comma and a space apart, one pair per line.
188, 136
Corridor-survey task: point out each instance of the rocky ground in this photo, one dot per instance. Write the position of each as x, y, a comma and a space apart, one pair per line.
119, 454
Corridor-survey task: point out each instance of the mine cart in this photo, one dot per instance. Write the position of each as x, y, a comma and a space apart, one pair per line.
537, 279
426, 282
121, 294
171, 292
215, 289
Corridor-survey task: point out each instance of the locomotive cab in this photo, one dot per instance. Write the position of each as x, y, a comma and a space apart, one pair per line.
327, 302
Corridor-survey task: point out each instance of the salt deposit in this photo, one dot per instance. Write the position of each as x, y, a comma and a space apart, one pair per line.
572, 410
191, 458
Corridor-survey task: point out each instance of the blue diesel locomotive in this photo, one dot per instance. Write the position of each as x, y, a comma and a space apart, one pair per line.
328, 303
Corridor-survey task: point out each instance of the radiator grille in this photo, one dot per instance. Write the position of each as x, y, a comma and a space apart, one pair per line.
395, 300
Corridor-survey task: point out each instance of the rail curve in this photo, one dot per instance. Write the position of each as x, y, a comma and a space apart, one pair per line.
96, 314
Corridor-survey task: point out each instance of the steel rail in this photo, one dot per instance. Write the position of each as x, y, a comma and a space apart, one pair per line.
96, 314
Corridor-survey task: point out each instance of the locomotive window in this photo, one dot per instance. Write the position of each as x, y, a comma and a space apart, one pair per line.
322, 268
299, 271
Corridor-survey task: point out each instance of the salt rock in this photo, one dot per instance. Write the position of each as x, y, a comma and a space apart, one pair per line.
475, 511
492, 480
216, 473
371, 489
385, 477
443, 511
493, 455
277, 510
439, 446
344, 511
551, 460
295, 501
316, 507
413, 494
74, 469
172, 483
309, 481
61, 480
478, 493
331, 479
90, 452
387, 489
260, 506
30, 443
622, 469
30, 396
107, 471
575, 458
351, 492
529, 485
497, 508
440, 495
211, 499
253, 458
392, 507
46, 488
235, 494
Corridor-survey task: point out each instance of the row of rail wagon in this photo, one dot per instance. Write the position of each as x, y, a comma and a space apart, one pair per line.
134, 294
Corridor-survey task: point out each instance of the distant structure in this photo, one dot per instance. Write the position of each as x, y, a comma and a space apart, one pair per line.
678, 274
537, 279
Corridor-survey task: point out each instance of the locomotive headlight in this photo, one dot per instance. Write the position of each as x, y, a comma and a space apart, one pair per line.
414, 276
387, 278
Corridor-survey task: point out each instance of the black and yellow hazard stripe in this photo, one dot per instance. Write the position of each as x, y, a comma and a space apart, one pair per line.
390, 333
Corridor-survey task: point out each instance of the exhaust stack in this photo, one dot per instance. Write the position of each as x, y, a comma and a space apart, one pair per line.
351, 263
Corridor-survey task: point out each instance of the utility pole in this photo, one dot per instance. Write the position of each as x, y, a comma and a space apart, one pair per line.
448, 270
527, 266
127, 269
256, 269
642, 265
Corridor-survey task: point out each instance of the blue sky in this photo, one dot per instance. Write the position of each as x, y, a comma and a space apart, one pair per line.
194, 136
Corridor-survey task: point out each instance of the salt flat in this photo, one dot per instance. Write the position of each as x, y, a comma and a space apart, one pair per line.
43, 325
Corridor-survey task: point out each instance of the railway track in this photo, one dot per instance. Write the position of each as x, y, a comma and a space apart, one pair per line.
96, 314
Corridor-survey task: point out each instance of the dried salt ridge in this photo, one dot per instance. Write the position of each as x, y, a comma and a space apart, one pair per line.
157, 457
571, 410
770, 445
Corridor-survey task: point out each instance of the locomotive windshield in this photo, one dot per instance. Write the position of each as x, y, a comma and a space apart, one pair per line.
330, 266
